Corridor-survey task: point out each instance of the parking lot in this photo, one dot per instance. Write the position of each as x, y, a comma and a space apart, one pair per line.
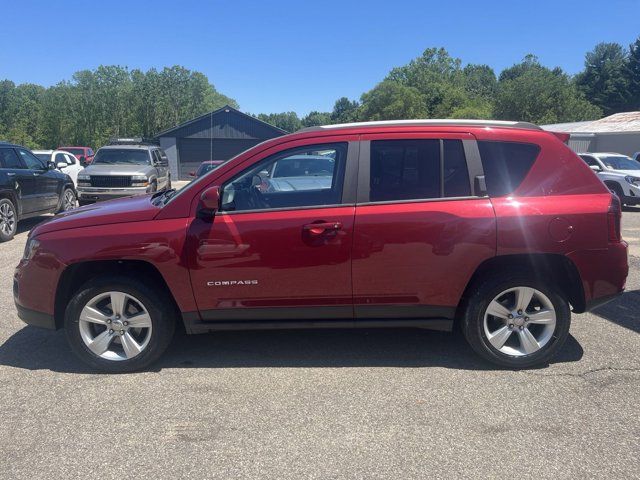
324, 404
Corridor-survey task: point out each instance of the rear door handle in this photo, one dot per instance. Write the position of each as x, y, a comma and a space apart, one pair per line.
11, 174
323, 227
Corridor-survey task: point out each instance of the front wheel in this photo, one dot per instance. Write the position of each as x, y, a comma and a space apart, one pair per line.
516, 322
69, 200
118, 324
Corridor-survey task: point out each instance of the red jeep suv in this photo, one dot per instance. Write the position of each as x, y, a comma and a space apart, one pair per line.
495, 225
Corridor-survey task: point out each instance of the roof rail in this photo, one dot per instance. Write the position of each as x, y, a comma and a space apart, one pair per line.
427, 122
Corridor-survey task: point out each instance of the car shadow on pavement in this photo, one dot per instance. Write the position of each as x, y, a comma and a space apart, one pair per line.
34, 349
28, 224
624, 310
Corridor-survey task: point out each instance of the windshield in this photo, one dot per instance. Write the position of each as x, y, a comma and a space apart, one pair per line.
45, 157
78, 152
620, 162
122, 156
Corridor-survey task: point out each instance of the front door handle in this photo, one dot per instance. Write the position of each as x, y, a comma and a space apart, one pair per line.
323, 227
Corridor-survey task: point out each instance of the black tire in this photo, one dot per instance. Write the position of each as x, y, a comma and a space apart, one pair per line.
483, 294
66, 191
160, 309
8, 220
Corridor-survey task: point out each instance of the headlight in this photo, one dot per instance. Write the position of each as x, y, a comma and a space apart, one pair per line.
632, 180
30, 248
139, 181
84, 177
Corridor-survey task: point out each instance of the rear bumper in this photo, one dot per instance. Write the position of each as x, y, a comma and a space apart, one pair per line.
35, 318
603, 273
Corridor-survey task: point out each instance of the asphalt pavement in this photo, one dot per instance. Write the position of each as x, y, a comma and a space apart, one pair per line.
304, 404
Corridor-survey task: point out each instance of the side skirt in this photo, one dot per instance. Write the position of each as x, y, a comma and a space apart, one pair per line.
276, 319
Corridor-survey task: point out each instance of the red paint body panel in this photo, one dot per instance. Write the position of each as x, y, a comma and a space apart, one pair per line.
402, 253
420, 253
292, 267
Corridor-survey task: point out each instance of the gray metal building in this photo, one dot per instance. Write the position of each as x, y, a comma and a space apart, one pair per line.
217, 135
618, 133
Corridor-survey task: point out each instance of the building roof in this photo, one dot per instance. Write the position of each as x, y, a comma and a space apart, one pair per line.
617, 123
226, 108
428, 122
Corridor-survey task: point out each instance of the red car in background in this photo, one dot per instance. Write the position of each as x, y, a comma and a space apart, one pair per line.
206, 167
84, 154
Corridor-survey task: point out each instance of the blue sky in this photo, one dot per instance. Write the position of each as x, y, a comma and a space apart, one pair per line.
274, 56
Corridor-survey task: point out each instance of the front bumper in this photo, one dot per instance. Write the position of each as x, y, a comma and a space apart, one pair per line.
35, 318
95, 194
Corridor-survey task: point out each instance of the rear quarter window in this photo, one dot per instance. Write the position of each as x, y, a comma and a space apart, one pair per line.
506, 164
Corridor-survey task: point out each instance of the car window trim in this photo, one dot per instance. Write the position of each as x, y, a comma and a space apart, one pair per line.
283, 209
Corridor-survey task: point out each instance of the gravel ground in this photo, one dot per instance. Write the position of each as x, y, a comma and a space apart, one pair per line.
324, 404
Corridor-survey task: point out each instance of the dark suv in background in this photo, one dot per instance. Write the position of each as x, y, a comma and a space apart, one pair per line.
29, 187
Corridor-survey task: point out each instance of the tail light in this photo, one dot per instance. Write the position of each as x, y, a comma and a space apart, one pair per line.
614, 215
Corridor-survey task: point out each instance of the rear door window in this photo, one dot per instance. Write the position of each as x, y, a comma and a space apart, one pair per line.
506, 164
417, 169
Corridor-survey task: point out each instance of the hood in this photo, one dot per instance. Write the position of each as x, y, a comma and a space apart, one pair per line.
122, 210
633, 173
94, 169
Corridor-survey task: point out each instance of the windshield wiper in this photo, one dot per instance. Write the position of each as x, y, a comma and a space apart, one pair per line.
163, 196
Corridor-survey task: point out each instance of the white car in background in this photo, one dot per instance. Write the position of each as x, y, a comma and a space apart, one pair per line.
64, 161
618, 172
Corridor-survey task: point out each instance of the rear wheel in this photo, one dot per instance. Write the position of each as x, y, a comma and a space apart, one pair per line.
8, 220
117, 324
516, 322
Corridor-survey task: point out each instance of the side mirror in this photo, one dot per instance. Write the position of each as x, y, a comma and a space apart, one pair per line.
192, 174
83, 160
61, 165
51, 165
209, 202
595, 168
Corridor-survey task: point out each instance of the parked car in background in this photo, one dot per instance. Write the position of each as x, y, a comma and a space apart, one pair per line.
64, 161
618, 172
424, 223
83, 154
122, 169
29, 187
206, 167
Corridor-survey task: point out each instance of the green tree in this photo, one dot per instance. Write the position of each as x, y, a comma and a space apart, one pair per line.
531, 92
287, 121
344, 111
604, 80
391, 100
315, 118
633, 75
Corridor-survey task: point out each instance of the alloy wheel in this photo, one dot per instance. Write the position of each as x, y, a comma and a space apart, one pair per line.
115, 326
519, 321
69, 200
7, 219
